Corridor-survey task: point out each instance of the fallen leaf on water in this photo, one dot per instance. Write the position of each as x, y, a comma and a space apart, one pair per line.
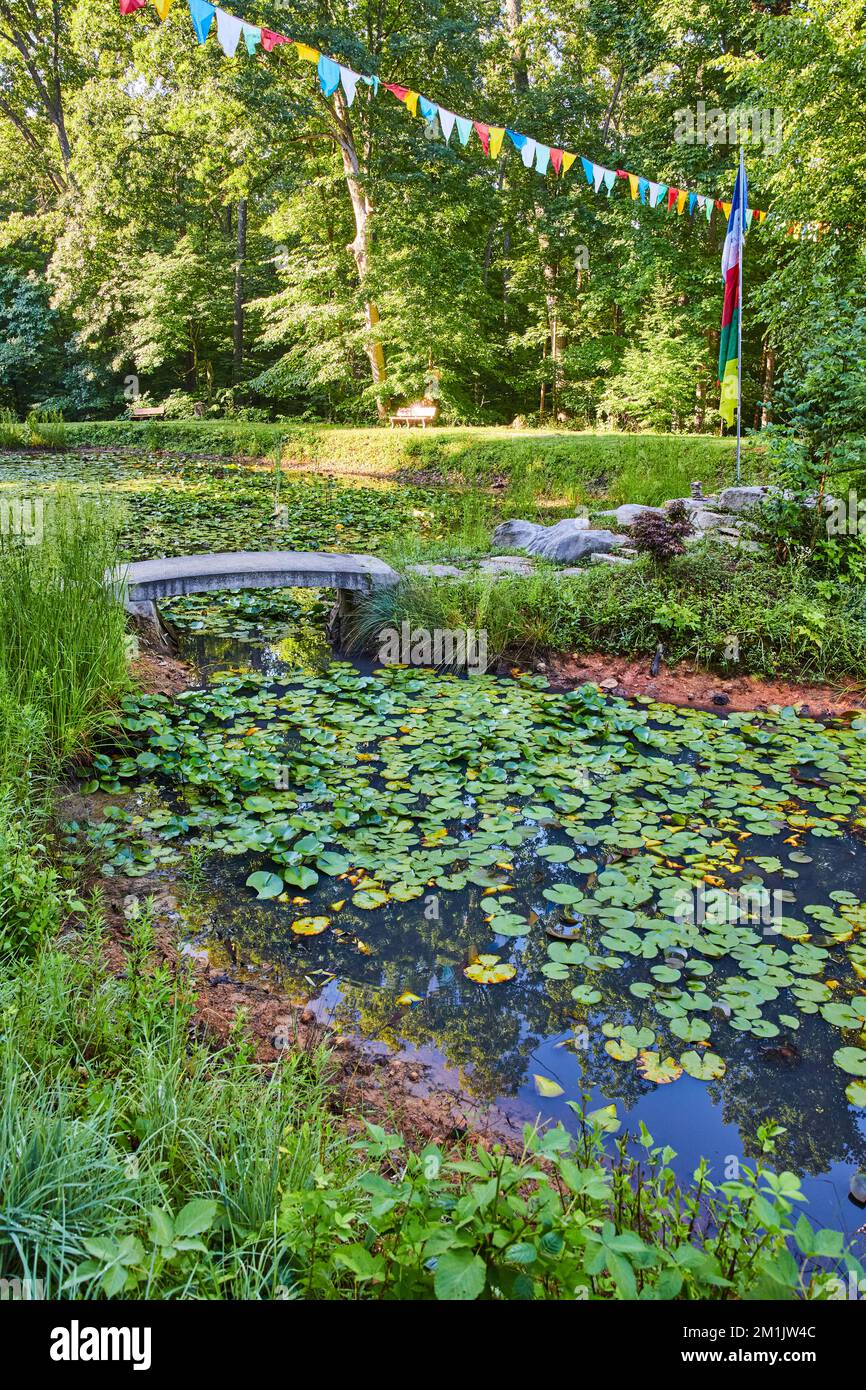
547, 1088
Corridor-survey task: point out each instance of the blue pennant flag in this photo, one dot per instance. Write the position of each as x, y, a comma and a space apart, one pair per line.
329, 75
201, 14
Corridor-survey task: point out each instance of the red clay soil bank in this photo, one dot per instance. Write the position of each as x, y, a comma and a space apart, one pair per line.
680, 685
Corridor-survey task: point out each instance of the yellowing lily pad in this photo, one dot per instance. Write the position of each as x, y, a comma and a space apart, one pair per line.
661, 1071
490, 970
310, 926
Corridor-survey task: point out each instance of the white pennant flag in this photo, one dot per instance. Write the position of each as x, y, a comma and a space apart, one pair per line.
349, 80
229, 30
597, 176
654, 191
527, 154
446, 121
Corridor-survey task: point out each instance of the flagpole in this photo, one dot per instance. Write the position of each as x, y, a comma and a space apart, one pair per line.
742, 248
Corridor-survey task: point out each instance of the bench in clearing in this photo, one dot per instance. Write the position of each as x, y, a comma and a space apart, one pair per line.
147, 412
417, 414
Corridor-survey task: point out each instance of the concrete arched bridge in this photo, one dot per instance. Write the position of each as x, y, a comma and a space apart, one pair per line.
144, 582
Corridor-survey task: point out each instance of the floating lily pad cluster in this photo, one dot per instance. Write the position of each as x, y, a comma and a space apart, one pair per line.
191, 505
403, 782
247, 613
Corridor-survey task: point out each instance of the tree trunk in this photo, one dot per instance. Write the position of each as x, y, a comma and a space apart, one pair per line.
360, 247
238, 329
769, 381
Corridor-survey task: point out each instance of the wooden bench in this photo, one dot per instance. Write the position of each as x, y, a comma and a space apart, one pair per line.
417, 414
147, 412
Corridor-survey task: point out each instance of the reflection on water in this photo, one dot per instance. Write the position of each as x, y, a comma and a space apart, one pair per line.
493, 1040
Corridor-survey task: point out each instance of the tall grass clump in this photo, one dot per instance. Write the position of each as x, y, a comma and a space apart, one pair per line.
135, 1160
12, 433
62, 643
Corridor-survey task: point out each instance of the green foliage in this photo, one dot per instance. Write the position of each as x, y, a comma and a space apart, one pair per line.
558, 1222
655, 385
162, 184
785, 621
62, 630
134, 1161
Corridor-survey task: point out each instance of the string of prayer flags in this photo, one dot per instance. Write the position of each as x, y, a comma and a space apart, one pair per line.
534, 154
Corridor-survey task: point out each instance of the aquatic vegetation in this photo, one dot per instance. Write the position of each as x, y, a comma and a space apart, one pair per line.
607, 845
247, 614
188, 505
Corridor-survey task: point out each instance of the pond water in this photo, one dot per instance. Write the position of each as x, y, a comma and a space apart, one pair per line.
402, 827
531, 891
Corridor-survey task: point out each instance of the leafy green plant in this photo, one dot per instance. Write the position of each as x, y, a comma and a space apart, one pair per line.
561, 1221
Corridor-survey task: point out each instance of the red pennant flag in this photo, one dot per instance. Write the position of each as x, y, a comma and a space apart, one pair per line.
622, 173
483, 134
130, 6
673, 194
556, 159
400, 93
270, 39
719, 205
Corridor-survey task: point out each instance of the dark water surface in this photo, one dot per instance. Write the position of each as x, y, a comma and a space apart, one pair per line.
493, 1041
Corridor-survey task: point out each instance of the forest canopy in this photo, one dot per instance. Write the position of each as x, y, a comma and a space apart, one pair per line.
199, 228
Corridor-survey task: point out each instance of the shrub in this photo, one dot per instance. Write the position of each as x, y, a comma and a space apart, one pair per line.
662, 536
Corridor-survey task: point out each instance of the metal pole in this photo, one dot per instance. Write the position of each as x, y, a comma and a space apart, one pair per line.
742, 247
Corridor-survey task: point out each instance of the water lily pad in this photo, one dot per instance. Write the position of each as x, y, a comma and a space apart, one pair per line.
704, 1066
310, 926
489, 970
851, 1060
266, 885
661, 1071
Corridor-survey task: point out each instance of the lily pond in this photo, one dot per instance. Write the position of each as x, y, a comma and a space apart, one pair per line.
531, 891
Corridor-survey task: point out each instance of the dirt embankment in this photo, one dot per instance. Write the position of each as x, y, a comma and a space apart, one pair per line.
695, 689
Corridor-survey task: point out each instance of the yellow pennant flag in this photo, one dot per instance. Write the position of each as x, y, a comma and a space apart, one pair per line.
726, 209
497, 134
567, 161
633, 182
411, 100
162, 8
681, 201
309, 55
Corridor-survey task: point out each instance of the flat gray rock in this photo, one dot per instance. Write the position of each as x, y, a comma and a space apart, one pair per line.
506, 564
630, 511
601, 557
741, 499
693, 504
705, 521
429, 571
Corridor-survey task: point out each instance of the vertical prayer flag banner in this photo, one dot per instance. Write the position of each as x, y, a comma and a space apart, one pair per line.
729, 340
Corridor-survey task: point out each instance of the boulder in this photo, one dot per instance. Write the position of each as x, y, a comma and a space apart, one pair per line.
565, 542
516, 534
693, 504
741, 499
705, 521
